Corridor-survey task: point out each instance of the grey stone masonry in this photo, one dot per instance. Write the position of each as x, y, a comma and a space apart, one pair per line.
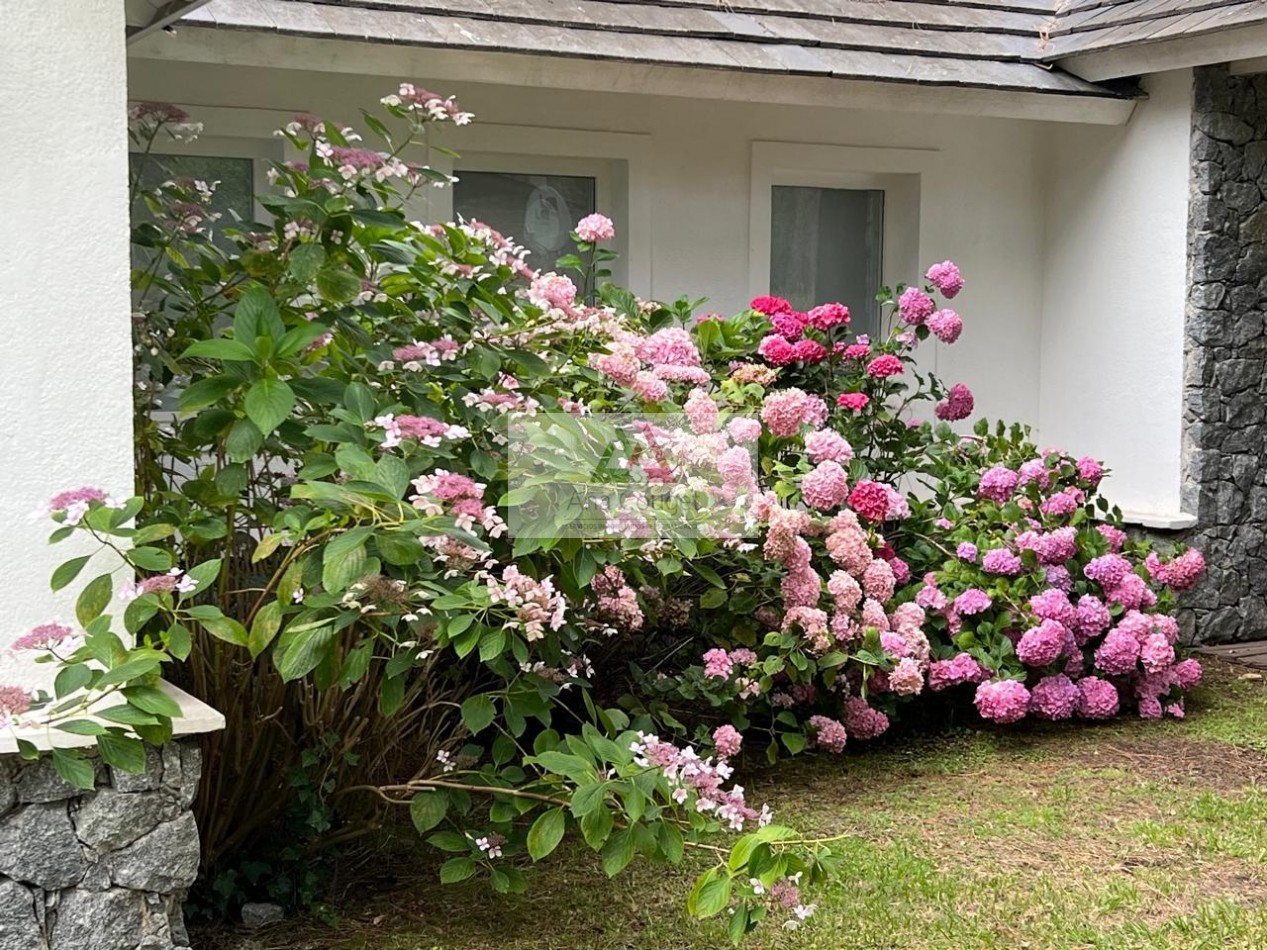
1225, 356
105, 869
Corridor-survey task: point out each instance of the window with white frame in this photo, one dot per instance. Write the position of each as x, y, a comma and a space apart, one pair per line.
827, 245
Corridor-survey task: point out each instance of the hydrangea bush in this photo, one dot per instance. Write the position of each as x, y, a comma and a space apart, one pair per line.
325, 531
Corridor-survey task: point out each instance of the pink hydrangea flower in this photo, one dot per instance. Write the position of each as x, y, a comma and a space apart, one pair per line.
701, 412
47, 636
595, 227
1115, 536
915, 306
744, 430
966, 551
776, 350
962, 668
1054, 697
855, 402
845, 589
825, 487
958, 404
946, 278
884, 366
650, 388
727, 741
827, 445
1053, 604
718, 664
1042, 645
552, 291
972, 601
828, 315
878, 580
1187, 673
906, 679
788, 325
1097, 698
997, 483
785, 411
671, 346
1002, 701
770, 305
856, 351
946, 325
1093, 618
1089, 470
1156, 654
1001, 561
870, 500
1108, 570
1181, 573
14, 701
862, 721
1118, 653
828, 733
809, 351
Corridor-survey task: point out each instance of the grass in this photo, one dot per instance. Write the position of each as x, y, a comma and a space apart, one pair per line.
1129, 834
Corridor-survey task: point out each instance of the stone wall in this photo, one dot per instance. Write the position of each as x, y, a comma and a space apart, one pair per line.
1225, 354
105, 869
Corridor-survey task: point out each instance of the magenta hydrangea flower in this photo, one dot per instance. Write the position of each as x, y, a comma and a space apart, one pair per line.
958, 404
946, 325
770, 305
854, 402
1053, 604
1089, 470
870, 500
1097, 698
1054, 697
828, 315
1181, 573
1118, 653
972, 601
962, 668
1002, 701
1115, 536
1001, 561
1107, 570
1156, 654
1093, 618
776, 350
946, 278
884, 366
727, 741
997, 483
862, 721
828, 733
915, 306
1042, 645
966, 551
788, 325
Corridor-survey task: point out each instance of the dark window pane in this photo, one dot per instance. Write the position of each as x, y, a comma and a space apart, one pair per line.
826, 245
538, 211
234, 195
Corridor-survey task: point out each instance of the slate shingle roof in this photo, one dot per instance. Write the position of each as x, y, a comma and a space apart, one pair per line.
986, 44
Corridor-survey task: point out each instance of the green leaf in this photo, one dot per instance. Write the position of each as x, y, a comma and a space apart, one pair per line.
150, 559
478, 712
207, 392
546, 833
618, 852
427, 809
399, 548
123, 752
221, 349
73, 768
71, 679
203, 575
68, 571
269, 403
151, 699
457, 869
226, 629
338, 284
243, 441
587, 798
93, 599
126, 714
710, 895
713, 598
264, 628
450, 841
82, 727
256, 315
306, 260
345, 561
596, 826
299, 654
138, 663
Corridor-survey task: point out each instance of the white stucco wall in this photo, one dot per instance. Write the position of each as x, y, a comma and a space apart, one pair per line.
1114, 292
65, 367
689, 164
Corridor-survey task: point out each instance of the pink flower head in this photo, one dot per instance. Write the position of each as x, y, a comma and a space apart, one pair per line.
776, 350
946, 278
1054, 697
744, 430
1118, 653
727, 741
967, 551
1001, 561
1108, 570
1042, 645
884, 366
1053, 604
1090, 470
856, 351
962, 668
855, 402
828, 733
906, 679
595, 227
1181, 573
972, 601
47, 636
701, 412
1115, 536
1097, 698
946, 325
825, 487
828, 315
671, 346
809, 351
552, 291
863, 722
1003, 701
957, 405
649, 388
1093, 618
1156, 654
878, 580
915, 306
827, 445
870, 500
14, 701
770, 305
785, 411
789, 325
997, 484
718, 664
1187, 674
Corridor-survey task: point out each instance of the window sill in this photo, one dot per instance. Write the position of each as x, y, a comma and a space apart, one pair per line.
1162, 521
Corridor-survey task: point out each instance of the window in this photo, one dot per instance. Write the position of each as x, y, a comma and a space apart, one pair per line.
827, 244
538, 211
234, 198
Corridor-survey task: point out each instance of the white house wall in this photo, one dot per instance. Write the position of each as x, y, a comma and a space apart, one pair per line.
1114, 294
689, 167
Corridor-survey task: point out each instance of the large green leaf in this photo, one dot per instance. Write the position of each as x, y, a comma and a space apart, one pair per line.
123, 752
68, 571
478, 712
299, 654
427, 809
93, 599
546, 833
269, 403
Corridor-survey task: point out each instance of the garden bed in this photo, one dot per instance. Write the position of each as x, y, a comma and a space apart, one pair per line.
1120, 835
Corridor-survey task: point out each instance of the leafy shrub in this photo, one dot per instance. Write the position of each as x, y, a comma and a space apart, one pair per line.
326, 554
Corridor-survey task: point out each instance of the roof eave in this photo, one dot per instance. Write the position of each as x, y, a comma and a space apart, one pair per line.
1139, 59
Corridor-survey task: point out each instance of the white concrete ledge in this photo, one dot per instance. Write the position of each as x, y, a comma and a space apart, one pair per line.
1163, 521
195, 717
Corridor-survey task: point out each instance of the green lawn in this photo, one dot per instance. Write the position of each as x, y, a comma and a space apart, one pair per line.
1126, 835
